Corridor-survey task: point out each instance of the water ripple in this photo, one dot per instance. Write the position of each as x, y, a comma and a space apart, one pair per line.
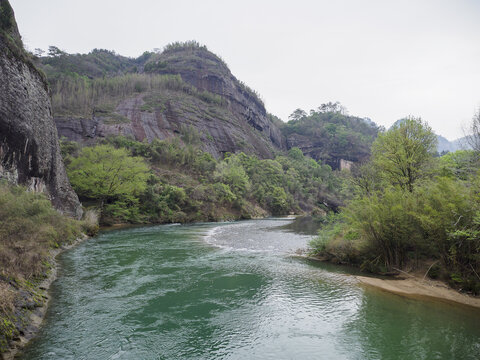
232, 291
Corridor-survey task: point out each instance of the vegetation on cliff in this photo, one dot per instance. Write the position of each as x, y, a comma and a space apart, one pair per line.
411, 209
79, 82
81, 96
156, 94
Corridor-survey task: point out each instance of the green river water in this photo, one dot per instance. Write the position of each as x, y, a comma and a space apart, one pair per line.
233, 291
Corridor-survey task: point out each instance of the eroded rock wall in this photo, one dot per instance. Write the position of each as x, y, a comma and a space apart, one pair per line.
29, 147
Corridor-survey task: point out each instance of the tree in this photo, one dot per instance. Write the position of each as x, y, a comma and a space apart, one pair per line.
38, 52
296, 154
297, 115
232, 173
108, 174
474, 138
403, 152
460, 164
335, 107
54, 51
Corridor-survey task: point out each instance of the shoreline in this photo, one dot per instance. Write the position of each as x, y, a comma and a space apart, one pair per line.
36, 317
413, 287
421, 289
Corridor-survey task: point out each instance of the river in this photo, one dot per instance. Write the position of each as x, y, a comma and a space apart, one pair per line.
233, 291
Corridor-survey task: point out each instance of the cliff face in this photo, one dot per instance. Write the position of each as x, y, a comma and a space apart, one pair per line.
206, 71
29, 148
227, 115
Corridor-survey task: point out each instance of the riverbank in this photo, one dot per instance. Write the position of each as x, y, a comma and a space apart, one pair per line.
414, 286
421, 288
33, 307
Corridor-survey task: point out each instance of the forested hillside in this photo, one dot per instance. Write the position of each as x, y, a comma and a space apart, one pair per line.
330, 135
175, 181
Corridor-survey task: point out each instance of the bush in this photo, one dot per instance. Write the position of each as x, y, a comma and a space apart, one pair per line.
90, 221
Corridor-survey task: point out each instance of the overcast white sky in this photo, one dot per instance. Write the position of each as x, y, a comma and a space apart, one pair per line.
381, 59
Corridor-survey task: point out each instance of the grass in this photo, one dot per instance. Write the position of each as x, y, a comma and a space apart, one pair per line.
29, 229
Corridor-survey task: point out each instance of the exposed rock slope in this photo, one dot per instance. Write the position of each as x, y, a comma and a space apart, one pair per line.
29, 149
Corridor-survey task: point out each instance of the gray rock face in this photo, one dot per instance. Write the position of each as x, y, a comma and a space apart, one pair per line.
220, 130
29, 148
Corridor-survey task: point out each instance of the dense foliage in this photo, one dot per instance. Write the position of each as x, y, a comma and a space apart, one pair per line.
111, 176
411, 210
403, 153
81, 96
187, 184
97, 63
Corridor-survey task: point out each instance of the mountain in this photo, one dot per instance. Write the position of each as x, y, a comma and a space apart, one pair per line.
444, 145
184, 89
187, 89
29, 147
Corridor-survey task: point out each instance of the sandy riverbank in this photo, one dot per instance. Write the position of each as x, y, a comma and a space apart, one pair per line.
419, 288
413, 287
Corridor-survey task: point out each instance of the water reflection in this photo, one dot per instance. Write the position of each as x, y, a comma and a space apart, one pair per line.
389, 326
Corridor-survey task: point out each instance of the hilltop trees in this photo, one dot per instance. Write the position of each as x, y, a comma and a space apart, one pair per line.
330, 135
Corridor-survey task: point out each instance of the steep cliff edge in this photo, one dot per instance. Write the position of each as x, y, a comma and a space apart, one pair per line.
29, 148
159, 96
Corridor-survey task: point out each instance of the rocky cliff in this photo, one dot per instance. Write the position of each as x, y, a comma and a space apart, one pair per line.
208, 72
29, 148
199, 92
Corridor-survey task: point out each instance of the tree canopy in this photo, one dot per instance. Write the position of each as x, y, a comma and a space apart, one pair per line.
104, 172
403, 152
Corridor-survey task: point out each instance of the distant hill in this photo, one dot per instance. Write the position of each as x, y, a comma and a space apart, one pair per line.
184, 89
452, 146
329, 135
